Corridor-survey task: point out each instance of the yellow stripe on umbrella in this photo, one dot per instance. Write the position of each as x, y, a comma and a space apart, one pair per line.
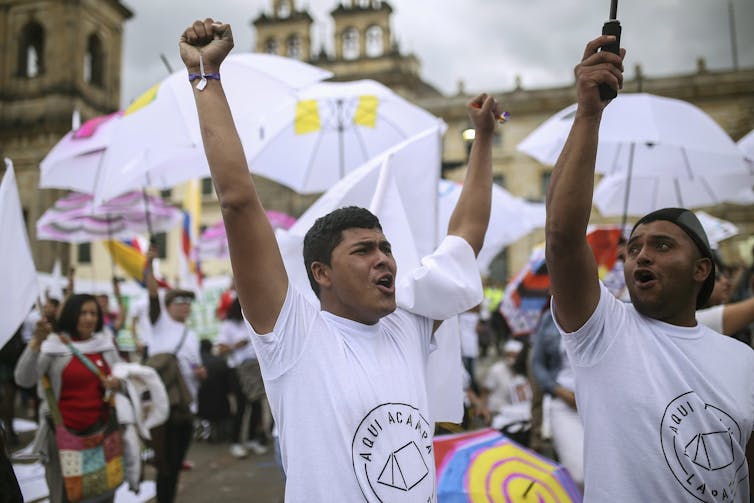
307, 117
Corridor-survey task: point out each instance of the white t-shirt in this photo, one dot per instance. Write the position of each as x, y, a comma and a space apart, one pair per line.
166, 336
712, 317
232, 332
469, 336
140, 311
667, 410
350, 403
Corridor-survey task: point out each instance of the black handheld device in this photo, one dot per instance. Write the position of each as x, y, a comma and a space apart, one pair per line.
611, 27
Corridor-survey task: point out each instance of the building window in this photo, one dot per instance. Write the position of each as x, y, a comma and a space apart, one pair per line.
84, 253
545, 183
283, 10
94, 64
31, 50
271, 46
293, 47
166, 194
161, 242
375, 46
350, 43
207, 187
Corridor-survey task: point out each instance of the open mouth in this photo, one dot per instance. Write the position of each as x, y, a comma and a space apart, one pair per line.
386, 283
644, 278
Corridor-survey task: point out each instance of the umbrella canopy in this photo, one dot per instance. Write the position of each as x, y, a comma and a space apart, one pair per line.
76, 219
327, 130
159, 133
511, 218
648, 134
213, 242
527, 293
647, 192
73, 163
746, 145
484, 465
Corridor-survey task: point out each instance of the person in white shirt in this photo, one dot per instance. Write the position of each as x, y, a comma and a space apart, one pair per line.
346, 380
234, 341
667, 404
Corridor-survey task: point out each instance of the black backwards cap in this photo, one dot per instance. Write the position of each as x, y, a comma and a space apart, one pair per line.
691, 225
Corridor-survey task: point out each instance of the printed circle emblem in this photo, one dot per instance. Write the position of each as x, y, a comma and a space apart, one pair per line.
702, 447
392, 455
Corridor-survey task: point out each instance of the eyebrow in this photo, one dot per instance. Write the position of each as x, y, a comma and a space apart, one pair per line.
371, 243
653, 237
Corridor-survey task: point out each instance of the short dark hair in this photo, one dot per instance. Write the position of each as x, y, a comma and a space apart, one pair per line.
327, 233
69, 314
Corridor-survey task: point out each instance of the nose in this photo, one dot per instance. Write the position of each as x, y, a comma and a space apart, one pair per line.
644, 256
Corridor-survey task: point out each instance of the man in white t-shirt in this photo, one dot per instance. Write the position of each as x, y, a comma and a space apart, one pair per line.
667, 404
346, 380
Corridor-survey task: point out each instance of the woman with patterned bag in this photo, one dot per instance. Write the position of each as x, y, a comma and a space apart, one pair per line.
78, 439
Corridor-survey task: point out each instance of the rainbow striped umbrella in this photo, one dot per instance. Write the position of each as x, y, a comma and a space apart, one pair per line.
485, 466
213, 242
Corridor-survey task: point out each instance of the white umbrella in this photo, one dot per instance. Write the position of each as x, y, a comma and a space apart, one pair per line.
649, 134
159, 133
327, 130
746, 145
511, 218
651, 192
717, 229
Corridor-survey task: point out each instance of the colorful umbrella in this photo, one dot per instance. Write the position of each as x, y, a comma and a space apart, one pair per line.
213, 242
75, 218
484, 465
527, 293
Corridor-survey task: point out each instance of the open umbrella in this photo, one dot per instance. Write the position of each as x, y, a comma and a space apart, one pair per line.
213, 242
484, 466
159, 132
717, 229
328, 129
643, 133
618, 195
75, 218
528, 291
511, 218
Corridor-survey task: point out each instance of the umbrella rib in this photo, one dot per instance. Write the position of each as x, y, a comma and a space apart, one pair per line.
678, 194
313, 157
686, 163
709, 190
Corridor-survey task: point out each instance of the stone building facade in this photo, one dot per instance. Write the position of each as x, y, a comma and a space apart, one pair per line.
56, 57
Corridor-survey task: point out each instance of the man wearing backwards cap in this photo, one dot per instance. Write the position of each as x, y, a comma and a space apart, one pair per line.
667, 404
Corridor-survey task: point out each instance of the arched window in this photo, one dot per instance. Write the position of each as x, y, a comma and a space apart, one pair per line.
94, 62
293, 47
283, 9
350, 43
271, 46
375, 46
31, 50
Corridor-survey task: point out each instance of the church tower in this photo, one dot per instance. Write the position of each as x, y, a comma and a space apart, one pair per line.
285, 32
366, 49
56, 57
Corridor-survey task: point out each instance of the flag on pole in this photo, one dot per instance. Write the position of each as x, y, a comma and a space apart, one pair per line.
16, 263
192, 208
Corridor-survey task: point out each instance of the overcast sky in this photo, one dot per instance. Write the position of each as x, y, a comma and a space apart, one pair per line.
486, 43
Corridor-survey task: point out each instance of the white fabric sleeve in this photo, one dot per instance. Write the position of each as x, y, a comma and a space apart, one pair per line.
278, 350
445, 284
587, 345
711, 317
225, 336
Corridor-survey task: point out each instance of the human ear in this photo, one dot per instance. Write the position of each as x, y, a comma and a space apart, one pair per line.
702, 269
321, 274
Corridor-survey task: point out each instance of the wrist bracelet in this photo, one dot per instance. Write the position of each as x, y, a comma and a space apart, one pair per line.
194, 76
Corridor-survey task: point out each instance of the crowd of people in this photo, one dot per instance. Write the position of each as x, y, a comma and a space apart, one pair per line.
643, 394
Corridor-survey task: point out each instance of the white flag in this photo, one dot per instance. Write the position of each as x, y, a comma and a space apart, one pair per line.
16, 263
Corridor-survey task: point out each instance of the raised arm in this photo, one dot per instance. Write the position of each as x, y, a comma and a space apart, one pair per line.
472, 212
261, 280
570, 263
